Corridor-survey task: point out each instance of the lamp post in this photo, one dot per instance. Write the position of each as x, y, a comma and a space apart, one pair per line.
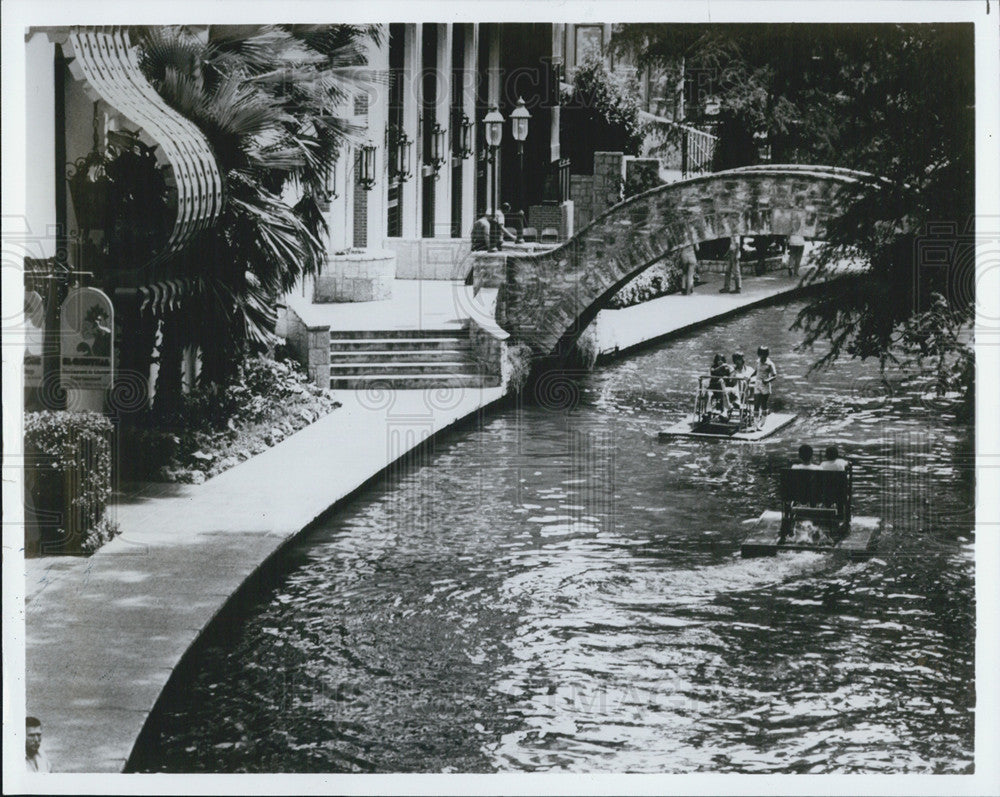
493, 124
519, 128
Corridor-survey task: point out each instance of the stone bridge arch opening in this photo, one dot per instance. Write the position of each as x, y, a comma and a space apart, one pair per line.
547, 299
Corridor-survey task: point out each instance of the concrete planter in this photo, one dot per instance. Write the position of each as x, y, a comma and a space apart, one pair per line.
363, 275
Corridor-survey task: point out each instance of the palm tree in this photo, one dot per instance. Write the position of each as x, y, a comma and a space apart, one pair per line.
266, 98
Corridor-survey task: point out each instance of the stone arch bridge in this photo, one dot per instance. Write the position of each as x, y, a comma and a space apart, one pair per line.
547, 299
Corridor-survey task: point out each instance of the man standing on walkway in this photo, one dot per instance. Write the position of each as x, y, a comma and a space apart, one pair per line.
796, 246
35, 760
689, 262
733, 275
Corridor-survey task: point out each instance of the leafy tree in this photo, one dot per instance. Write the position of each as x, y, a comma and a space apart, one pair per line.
600, 113
265, 97
895, 101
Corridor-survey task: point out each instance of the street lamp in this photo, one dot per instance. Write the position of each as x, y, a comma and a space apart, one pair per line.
439, 141
464, 138
366, 166
519, 128
493, 125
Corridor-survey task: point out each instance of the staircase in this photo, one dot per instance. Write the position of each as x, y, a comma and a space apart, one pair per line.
404, 359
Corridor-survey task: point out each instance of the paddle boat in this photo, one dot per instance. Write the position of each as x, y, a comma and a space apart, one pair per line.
723, 409
815, 516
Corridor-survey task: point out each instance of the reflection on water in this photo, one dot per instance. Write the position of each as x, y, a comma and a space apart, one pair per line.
557, 590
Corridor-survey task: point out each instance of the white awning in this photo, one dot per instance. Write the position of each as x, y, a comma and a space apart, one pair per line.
107, 65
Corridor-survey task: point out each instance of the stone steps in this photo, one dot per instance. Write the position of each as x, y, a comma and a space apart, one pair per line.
398, 344
412, 382
393, 368
404, 359
352, 334
401, 355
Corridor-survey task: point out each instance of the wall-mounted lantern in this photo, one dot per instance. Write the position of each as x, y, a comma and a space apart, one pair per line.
366, 166
402, 155
464, 138
439, 145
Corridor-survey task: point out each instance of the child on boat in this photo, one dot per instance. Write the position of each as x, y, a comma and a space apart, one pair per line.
764, 375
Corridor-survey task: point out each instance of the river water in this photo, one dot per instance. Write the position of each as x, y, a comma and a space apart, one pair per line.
553, 589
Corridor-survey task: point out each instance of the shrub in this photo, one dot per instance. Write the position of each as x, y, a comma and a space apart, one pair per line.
519, 362
657, 280
600, 113
61, 449
216, 428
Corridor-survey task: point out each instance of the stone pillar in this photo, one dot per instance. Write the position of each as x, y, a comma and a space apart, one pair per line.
442, 188
411, 112
378, 197
493, 93
468, 166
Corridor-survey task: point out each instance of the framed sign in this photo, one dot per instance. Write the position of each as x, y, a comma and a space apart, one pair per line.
34, 338
87, 340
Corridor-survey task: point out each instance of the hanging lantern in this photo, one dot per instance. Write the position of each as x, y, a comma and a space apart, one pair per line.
366, 166
464, 138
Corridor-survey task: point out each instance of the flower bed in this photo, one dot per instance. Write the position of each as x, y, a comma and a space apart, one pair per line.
270, 400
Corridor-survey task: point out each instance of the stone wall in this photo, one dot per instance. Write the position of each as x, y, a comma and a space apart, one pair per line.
542, 216
431, 258
365, 275
546, 299
311, 346
609, 174
593, 194
581, 190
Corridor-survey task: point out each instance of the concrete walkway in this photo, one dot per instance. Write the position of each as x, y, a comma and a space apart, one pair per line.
618, 331
105, 633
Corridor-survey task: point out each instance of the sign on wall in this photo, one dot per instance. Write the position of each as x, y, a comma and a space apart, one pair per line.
87, 340
34, 338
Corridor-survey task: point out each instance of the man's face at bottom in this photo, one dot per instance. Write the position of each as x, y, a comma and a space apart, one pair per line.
33, 740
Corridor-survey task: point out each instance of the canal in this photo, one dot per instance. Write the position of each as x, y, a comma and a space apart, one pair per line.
553, 589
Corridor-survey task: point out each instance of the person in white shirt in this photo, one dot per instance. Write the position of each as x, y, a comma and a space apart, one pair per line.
796, 246
739, 384
833, 461
34, 759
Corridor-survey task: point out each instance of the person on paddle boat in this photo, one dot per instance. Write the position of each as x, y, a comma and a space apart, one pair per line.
833, 460
717, 385
738, 386
805, 459
765, 373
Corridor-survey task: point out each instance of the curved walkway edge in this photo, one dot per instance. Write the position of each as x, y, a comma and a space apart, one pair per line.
622, 332
104, 634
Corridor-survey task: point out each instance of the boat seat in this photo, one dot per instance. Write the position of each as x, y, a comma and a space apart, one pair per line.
816, 494
530, 234
550, 235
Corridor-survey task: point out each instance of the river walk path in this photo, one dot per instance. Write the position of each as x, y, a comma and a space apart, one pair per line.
104, 633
